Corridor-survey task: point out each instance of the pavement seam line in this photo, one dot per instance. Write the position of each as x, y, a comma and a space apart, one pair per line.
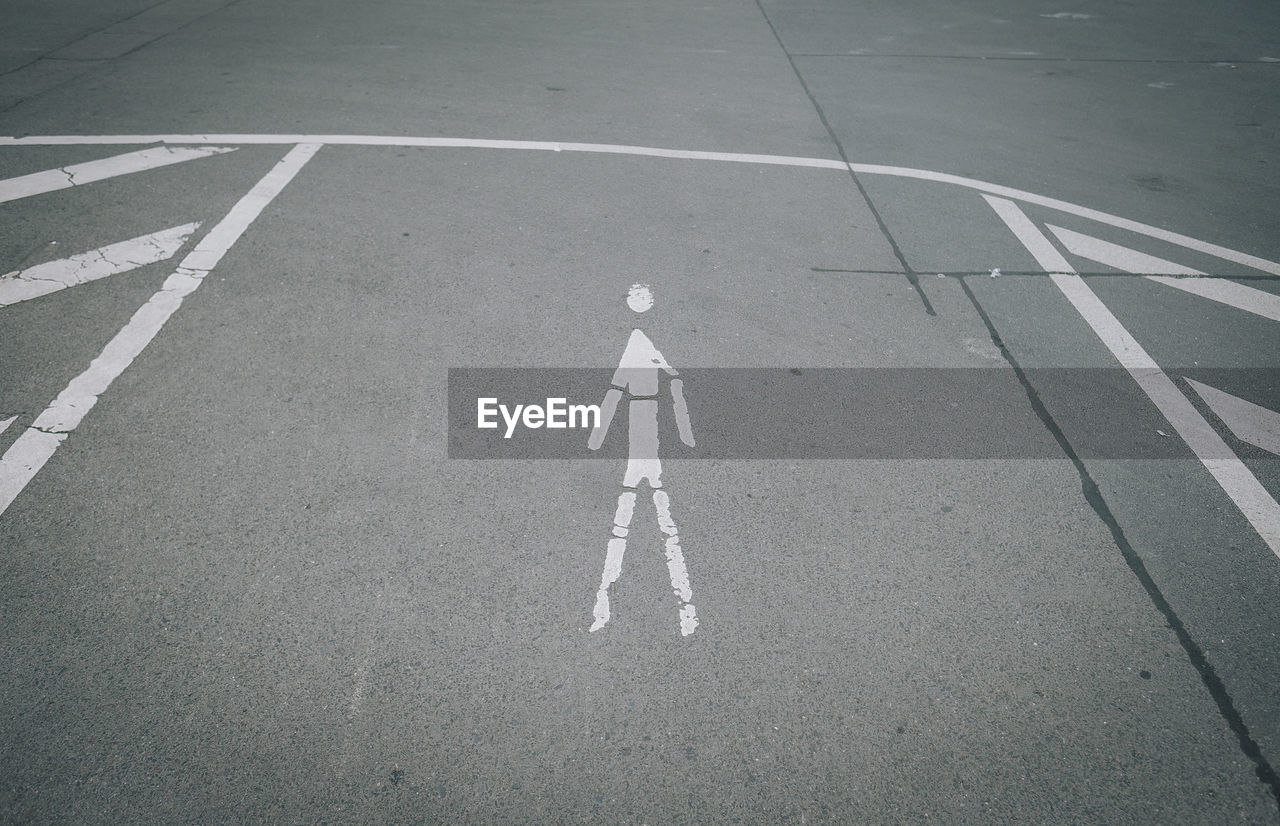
1093, 496
1235, 478
913, 277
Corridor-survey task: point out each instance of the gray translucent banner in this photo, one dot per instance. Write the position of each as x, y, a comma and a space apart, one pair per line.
837, 413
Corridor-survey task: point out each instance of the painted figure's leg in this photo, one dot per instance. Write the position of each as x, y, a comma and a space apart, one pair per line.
675, 563
613, 557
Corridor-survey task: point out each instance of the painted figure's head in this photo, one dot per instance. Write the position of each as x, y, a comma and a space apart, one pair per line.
639, 297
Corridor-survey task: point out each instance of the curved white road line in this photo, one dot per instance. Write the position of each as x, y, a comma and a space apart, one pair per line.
1224, 253
45, 440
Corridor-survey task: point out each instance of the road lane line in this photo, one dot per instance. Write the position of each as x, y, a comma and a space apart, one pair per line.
1249, 299
5, 424
50, 180
433, 143
1074, 209
1224, 253
1221, 290
1116, 256
36, 445
1236, 480
123, 256
1249, 422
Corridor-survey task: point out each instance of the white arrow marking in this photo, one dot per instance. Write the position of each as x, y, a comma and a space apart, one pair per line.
1249, 422
85, 173
123, 256
1236, 480
24, 458
1124, 259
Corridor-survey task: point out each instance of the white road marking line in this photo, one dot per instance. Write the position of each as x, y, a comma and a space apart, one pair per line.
5, 424
1116, 256
619, 149
49, 180
1249, 299
1074, 209
434, 143
36, 445
1236, 480
1249, 422
1223, 291
123, 256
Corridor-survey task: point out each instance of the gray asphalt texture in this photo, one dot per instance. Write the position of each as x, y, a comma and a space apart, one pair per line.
252, 586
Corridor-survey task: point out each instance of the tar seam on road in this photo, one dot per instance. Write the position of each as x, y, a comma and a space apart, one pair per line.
912, 277
1093, 495
1233, 476
90, 63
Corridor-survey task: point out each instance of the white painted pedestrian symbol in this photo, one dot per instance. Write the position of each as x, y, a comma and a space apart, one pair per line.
637, 376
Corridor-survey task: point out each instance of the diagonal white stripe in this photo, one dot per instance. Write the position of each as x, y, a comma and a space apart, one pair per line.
123, 256
1236, 479
1258, 302
1249, 422
1241, 297
49, 180
37, 444
1116, 256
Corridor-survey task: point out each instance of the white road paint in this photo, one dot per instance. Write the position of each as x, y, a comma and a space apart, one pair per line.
1116, 256
645, 151
1249, 422
1227, 292
675, 563
37, 444
5, 424
1244, 489
1236, 480
1010, 193
1240, 296
123, 256
639, 298
637, 376
50, 180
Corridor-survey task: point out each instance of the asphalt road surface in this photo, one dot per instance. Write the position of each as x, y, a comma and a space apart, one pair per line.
973, 310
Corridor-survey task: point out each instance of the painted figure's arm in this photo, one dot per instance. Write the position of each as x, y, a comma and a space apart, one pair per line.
682, 412
607, 408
